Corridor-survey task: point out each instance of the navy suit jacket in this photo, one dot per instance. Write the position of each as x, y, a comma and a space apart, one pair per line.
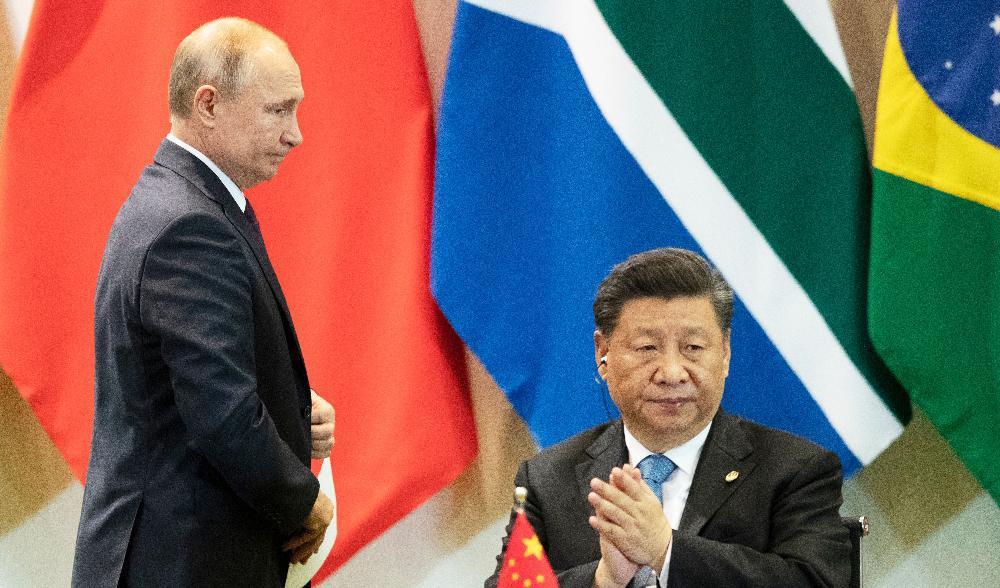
776, 524
199, 467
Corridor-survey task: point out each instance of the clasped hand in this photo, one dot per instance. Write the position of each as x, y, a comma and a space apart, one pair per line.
308, 540
633, 530
321, 426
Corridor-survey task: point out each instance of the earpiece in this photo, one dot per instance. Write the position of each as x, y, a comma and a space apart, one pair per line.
604, 360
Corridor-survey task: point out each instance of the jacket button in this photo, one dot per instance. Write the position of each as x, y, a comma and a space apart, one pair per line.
306, 411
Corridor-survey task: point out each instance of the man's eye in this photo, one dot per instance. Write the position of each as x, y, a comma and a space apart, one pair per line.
647, 348
694, 347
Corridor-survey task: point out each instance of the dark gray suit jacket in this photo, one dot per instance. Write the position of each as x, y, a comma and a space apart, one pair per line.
777, 524
199, 467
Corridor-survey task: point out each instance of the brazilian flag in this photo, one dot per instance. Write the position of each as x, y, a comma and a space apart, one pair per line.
934, 293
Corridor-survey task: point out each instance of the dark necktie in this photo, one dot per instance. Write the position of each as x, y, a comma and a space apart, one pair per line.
254, 232
251, 218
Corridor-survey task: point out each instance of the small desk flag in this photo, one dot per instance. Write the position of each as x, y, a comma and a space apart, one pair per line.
525, 564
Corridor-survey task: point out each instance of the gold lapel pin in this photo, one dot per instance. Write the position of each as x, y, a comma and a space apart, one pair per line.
731, 476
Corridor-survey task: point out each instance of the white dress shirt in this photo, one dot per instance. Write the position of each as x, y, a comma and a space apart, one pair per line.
230, 185
678, 485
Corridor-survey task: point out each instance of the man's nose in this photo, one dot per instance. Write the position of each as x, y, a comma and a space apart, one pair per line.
293, 135
670, 368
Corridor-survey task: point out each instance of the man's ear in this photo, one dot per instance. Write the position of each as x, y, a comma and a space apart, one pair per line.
206, 99
600, 351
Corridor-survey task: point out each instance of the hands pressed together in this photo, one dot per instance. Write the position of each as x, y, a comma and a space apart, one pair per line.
633, 530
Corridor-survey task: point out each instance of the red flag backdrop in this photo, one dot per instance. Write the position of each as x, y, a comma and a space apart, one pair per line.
346, 220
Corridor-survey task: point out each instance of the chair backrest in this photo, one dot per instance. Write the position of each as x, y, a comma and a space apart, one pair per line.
858, 528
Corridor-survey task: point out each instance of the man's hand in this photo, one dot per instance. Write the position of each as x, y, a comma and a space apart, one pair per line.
630, 517
322, 426
307, 541
614, 570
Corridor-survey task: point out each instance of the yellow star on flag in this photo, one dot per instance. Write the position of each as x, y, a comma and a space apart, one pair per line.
530, 572
532, 546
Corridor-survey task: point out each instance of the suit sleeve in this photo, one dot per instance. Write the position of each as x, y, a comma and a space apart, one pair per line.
196, 302
581, 576
808, 544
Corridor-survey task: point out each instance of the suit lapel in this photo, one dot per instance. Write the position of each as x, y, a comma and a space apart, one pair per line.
605, 453
255, 239
727, 449
178, 159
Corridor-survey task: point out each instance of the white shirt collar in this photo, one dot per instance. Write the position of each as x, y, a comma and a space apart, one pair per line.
684, 456
230, 185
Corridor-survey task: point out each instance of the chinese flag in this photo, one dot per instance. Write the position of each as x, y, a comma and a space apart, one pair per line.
525, 563
347, 222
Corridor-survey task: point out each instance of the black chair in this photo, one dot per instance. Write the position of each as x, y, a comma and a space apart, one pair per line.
858, 528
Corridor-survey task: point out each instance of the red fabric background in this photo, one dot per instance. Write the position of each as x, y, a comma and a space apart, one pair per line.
347, 222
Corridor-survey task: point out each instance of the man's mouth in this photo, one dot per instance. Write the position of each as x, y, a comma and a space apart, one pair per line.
673, 401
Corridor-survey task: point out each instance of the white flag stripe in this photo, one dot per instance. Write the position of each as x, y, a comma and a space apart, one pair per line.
543, 14
816, 17
715, 219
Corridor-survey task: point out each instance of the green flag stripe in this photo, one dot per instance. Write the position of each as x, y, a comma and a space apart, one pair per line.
780, 127
716, 220
934, 311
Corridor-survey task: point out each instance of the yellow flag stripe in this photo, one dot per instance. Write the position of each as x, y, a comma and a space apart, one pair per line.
915, 140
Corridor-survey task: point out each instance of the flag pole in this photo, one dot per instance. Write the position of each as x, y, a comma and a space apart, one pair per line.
520, 496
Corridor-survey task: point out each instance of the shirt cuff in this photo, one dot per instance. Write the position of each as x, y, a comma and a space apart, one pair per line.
666, 565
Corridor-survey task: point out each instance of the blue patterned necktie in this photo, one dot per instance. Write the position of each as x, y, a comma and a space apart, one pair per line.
655, 470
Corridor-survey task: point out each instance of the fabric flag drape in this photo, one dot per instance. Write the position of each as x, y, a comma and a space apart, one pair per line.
574, 134
347, 221
935, 262
524, 561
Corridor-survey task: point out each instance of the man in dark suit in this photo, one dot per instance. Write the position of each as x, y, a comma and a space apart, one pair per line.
204, 426
677, 492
